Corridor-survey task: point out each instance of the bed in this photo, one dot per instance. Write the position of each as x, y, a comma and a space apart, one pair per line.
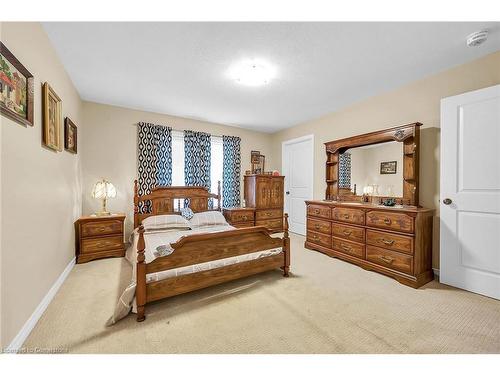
196, 258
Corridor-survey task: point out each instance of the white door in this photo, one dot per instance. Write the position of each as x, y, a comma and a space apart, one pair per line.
470, 191
298, 165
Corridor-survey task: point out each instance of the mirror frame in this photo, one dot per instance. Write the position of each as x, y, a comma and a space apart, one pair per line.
408, 134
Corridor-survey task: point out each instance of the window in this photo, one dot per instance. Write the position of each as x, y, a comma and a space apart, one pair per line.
216, 160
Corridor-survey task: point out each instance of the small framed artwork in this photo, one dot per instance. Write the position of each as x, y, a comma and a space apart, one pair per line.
70, 136
52, 118
16, 89
388, 167
255, 157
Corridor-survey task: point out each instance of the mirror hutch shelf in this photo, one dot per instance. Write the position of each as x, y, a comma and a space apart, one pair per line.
388, 234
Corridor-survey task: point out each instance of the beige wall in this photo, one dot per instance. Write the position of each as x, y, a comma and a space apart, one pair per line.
111, 139
41, 189
418, 101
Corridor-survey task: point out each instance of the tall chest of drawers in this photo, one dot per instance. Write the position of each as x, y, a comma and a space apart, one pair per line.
395, 241
265, 193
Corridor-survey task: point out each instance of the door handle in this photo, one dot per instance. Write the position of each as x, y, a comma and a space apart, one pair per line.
287, 193
447, 201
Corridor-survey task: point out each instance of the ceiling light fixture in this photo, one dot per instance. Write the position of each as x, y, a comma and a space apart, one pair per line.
252, 72
477, 38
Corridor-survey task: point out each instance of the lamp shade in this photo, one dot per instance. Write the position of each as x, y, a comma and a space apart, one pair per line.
103, 189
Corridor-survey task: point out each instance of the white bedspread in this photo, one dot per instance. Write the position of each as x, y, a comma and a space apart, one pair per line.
158, 244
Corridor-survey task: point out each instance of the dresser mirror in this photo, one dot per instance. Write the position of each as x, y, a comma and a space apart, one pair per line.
378, 167
375, 170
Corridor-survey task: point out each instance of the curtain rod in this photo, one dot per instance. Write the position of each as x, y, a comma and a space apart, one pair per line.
215, 135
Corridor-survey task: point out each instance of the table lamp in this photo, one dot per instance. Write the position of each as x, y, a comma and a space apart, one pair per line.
103, 190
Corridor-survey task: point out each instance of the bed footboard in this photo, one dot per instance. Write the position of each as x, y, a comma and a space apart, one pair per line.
205, 247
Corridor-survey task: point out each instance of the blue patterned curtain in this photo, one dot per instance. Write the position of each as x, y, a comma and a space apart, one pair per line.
231, 171
197, 158
154, 154
345, 170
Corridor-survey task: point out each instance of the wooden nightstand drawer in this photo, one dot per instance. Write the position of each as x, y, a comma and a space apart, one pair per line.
102, 228
91, 245
348, 232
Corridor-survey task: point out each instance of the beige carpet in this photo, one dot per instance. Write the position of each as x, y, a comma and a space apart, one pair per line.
326, 306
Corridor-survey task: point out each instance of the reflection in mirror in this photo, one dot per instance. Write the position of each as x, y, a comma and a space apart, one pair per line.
373, 169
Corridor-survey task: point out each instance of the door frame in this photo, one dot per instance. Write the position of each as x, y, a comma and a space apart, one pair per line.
308, 137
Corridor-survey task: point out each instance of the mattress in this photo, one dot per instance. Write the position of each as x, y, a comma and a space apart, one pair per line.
157, 245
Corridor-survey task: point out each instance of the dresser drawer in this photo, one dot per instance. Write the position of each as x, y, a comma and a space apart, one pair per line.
320, 239
319, 211
273, 224
350, 248
91, 245
390, 220
389, 241
348, 232
349, 215
390, 259
268, 214
241, 216
101, 228
319, 226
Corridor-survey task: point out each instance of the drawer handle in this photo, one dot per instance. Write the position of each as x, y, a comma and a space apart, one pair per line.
102, 229
387, 221
317, 226
315, 237
316, 211
268, 214
387, 242
346, 216
102, 244
346, 248
347, 232
387, 259
243, 217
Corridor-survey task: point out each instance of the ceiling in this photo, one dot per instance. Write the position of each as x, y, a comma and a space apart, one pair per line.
181, 68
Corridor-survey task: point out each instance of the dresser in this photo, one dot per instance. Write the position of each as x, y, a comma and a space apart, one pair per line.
99, 237
240, 217
394, 241
264, 193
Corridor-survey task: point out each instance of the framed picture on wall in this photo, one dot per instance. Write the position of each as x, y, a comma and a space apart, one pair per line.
388, 167
70, 136
16, 88
52, 118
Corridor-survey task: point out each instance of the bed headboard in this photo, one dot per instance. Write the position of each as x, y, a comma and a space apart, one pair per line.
163, 198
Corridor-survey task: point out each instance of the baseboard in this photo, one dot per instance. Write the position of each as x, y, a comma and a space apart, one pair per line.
436, 273
23, 334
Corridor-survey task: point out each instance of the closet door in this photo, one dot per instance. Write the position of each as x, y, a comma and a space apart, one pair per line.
470, 191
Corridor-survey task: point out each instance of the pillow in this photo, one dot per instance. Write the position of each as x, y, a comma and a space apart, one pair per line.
164, 222
187, 213
201, 219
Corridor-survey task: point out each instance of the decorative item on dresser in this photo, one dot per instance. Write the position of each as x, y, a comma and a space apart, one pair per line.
99, 237
265, 193
362, 229
240, 217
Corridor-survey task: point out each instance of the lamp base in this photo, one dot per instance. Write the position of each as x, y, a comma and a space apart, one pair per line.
103, 213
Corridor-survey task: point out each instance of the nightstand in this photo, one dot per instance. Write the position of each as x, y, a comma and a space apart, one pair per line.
240, 217
99, 237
